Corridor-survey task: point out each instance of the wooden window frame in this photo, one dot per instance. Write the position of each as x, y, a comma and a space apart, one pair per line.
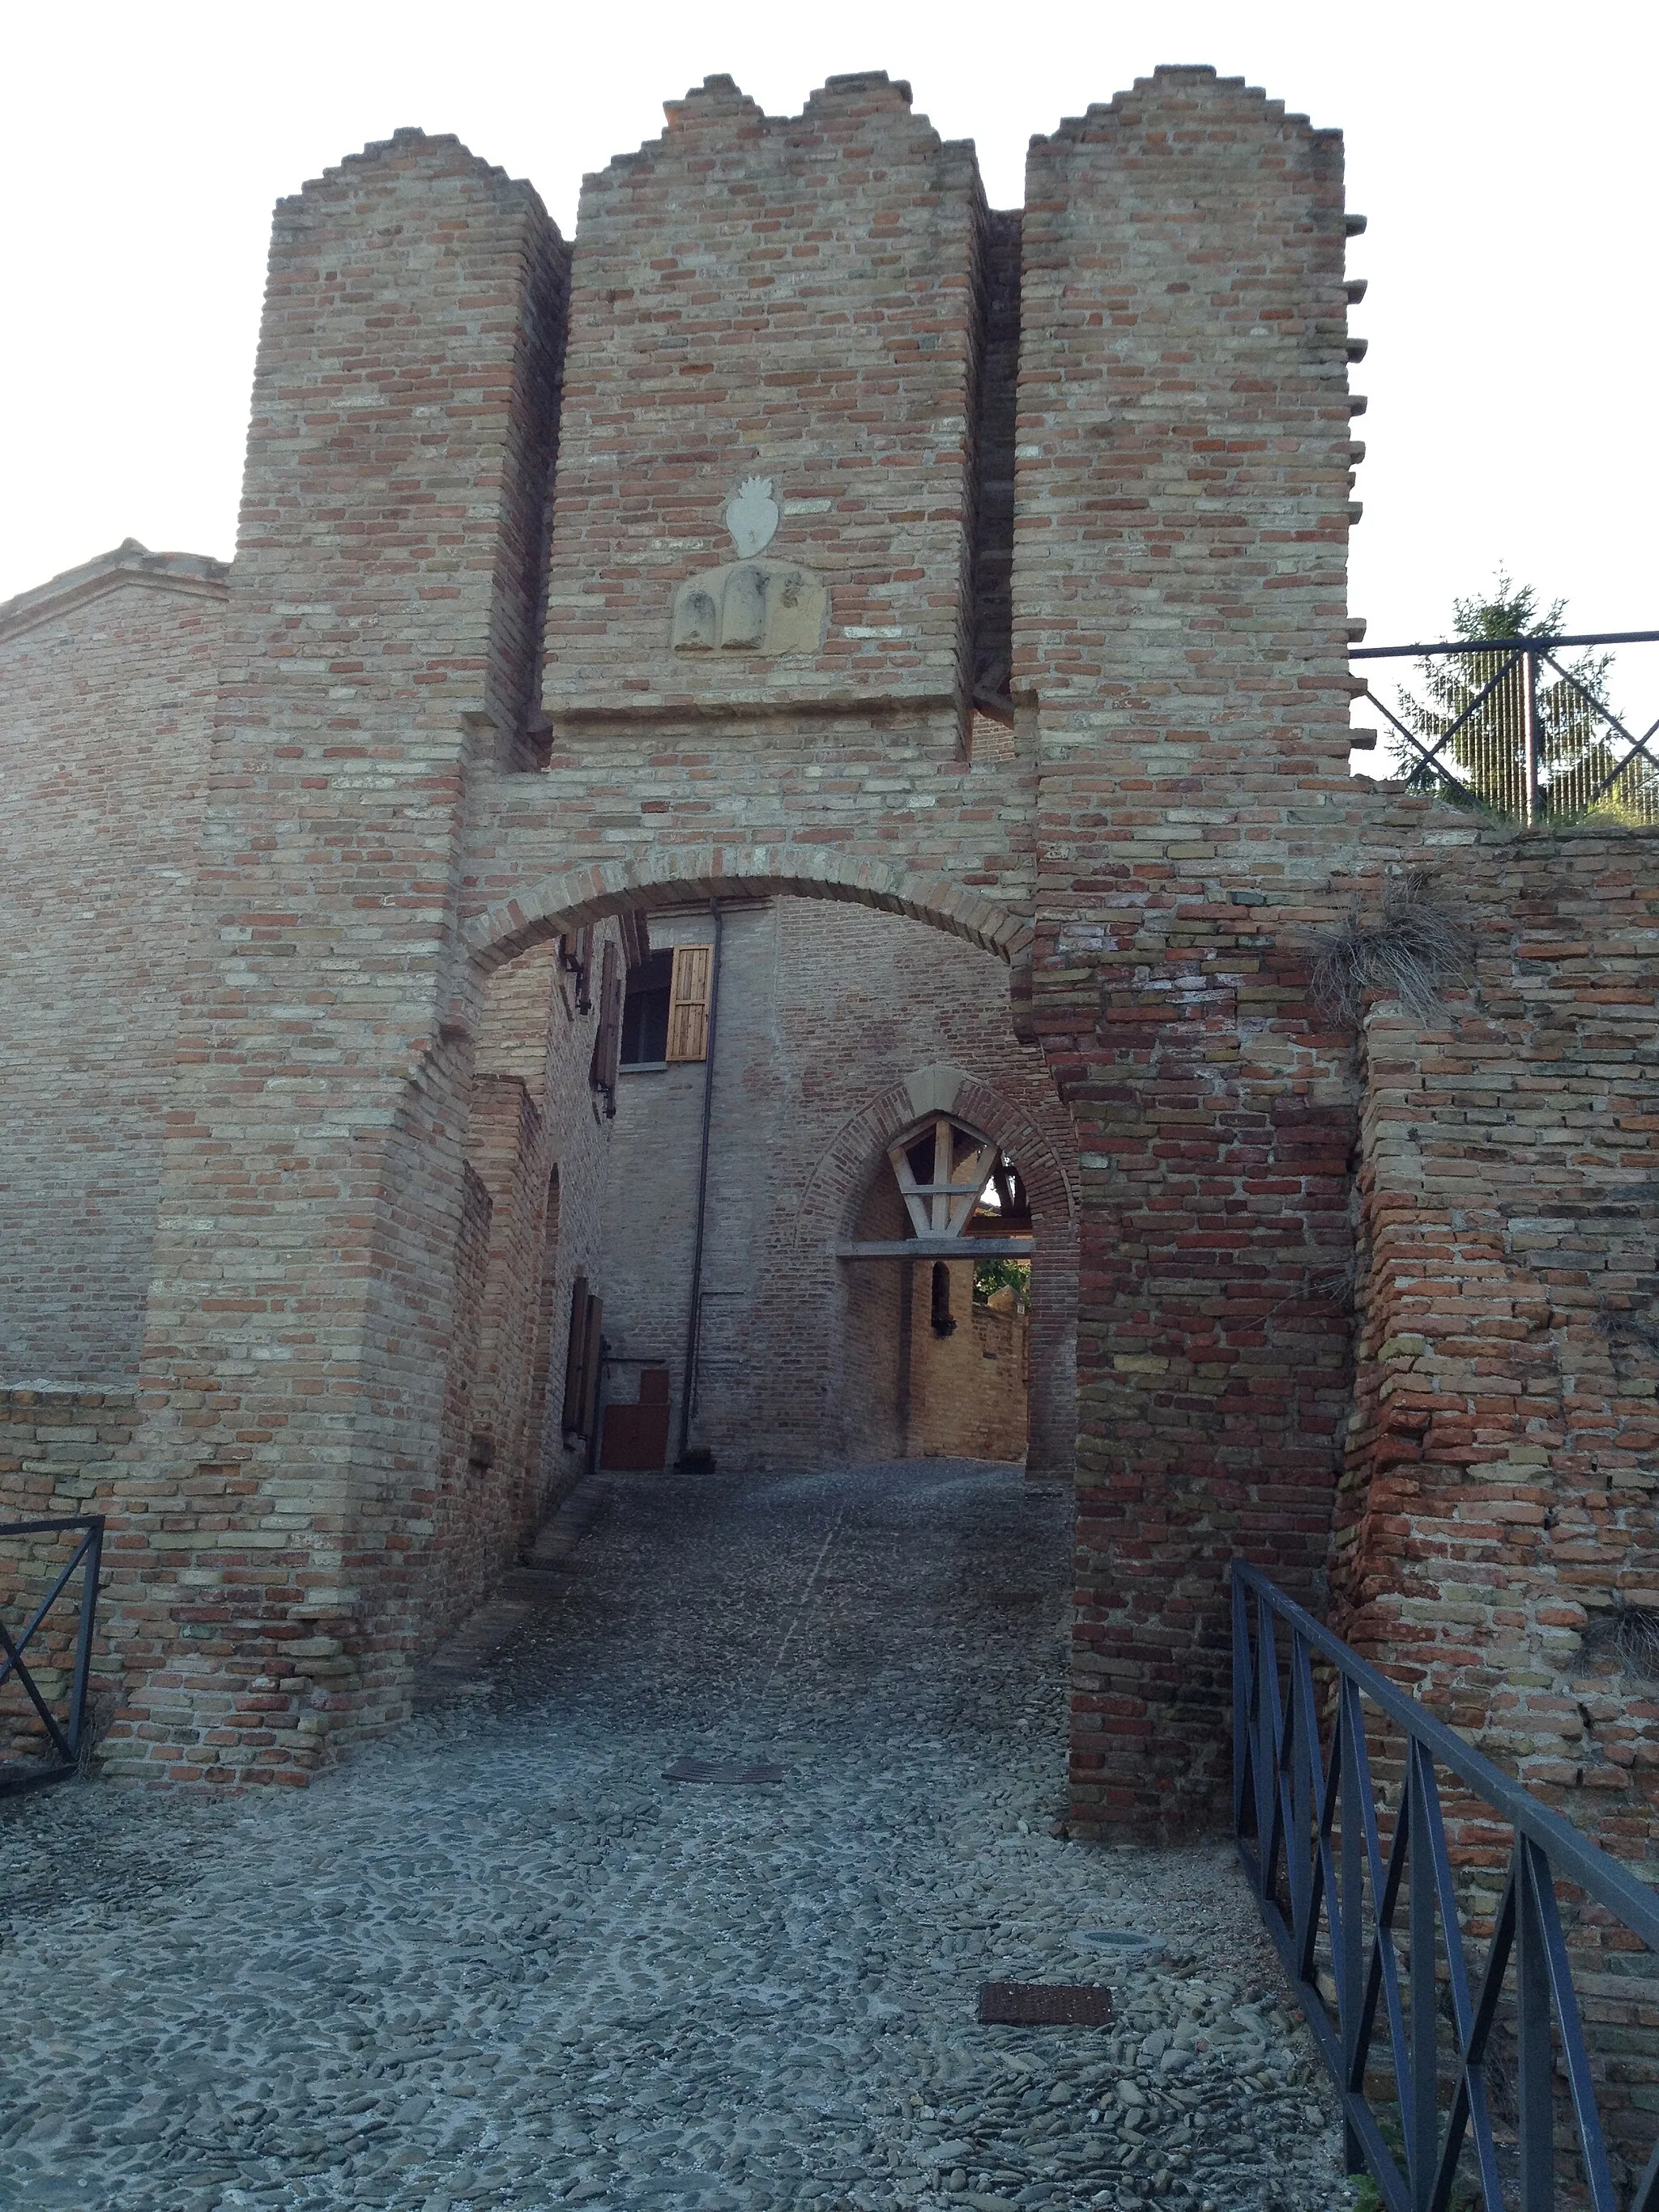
688, 989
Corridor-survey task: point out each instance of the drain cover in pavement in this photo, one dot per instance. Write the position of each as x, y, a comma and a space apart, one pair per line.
728, 1770
1120, 1939
1044, 2005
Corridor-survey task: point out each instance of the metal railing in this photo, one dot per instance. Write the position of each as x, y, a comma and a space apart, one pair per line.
66, 1737
1417, 2054
1508, 724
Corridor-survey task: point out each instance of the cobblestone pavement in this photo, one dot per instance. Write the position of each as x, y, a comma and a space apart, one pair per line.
499, 1960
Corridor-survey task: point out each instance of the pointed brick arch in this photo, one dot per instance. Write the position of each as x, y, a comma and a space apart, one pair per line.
831, 1203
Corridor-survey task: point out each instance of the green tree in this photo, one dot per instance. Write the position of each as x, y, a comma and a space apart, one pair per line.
1015, 1275
1483, 701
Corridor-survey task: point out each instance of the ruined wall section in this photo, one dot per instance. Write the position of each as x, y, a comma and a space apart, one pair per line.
1495, 1544
1180, 607
108, 677
311, 1192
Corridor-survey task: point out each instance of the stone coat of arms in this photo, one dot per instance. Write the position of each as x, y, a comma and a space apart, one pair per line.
752, 605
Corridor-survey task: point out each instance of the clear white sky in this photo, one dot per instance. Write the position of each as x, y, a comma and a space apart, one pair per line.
1504, 156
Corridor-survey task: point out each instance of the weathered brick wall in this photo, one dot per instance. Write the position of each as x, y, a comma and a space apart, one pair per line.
1496, 1518
967, 1389
107, 682
368, 993
1179, 607
797, 301
465, 1505
61, 1453
377, 653
1494, 1548
790, 299
825, 1012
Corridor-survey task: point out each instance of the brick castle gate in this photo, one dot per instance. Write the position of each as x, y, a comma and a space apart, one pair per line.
808, 528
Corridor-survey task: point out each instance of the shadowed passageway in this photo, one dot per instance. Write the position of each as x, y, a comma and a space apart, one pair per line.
502, 1962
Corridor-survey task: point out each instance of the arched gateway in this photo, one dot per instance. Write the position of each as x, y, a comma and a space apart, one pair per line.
987, 575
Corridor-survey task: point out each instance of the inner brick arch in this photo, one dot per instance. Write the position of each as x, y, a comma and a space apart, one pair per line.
831, 1203
678, 876
840, 1182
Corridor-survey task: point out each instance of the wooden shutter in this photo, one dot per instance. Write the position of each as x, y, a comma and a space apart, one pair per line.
688, 1003
576, 959
607, 1045
572, 1418
592, 1364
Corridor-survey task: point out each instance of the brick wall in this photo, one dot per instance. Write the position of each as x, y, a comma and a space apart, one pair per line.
377, 651
787, 299
1496, 1518
1181, 513
967, 1389
107, 680
61, 1456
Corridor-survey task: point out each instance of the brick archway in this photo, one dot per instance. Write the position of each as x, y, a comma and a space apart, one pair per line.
835, 1191
675, 875
842, 1175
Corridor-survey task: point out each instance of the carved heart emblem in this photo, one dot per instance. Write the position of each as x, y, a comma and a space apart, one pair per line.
752, 516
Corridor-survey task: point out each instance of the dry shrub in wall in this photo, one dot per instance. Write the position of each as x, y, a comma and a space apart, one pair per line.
1416, 944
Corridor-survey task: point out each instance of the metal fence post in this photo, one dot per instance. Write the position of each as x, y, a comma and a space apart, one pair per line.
1529, 731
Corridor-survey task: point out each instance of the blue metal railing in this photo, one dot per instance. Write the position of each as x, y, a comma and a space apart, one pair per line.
65, 1737
1305, 1817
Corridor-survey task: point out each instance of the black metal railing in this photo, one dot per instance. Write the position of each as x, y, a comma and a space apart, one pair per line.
64, 1736
1510, 724
1450, 2094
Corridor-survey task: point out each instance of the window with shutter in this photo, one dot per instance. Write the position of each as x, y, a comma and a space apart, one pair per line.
576, 959
645, 1012
688, 1002
607, 1044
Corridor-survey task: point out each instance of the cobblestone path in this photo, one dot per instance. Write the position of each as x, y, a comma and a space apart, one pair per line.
501, 1961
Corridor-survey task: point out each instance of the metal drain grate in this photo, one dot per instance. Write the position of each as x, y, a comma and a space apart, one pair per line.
1044, 2005
718, 1770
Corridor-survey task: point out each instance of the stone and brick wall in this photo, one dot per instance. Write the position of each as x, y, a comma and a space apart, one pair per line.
967, 1389
789, 299
1180, 608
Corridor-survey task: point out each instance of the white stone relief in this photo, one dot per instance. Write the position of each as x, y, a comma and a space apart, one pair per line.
752, 516
751, 605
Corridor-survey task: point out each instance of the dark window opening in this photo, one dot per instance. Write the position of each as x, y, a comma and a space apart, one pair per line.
645, 1014
943, 1323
